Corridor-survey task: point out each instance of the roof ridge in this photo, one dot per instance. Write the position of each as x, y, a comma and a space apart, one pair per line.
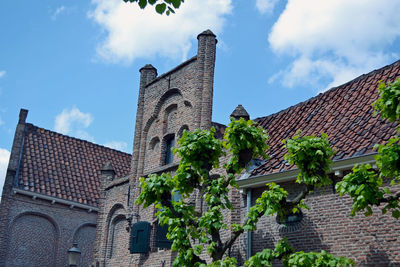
78, 139
362, 76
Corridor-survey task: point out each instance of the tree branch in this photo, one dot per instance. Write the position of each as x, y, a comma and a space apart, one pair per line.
292, 203
168, 203
389, 198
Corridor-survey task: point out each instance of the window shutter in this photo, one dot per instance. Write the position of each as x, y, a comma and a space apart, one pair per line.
161, 237
140, 237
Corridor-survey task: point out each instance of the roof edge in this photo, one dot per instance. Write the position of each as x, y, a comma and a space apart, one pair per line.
183, 64
290, 175
54, 200
329, 90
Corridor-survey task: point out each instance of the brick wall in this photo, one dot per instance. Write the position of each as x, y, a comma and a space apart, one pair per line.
327, 225
40, 233
112, 236
177, 100
36, 232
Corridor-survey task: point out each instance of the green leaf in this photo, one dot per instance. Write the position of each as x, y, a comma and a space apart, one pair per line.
176, 3
142, 3
396, 214
160, 8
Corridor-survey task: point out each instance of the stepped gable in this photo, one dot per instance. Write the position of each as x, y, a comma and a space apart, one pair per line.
65, 167
344, 113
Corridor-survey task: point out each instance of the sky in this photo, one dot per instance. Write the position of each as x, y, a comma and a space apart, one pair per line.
74, 64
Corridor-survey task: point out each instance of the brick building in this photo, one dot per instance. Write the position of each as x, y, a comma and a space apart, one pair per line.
168, 104
50, 196
182, 99
346, 115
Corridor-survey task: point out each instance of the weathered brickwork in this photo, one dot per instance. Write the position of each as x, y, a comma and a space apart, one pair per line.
327, 225
39, 232
177, 100
49, 198
182, 99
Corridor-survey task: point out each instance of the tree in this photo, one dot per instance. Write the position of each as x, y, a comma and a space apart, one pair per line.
195, 233
364, 183
161, 6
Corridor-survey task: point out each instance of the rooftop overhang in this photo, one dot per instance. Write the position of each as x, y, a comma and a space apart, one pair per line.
53, 200
285, 176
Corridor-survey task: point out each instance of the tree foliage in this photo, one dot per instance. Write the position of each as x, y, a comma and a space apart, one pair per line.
365, 184
196, 233
312, 155
161, 6
388, 103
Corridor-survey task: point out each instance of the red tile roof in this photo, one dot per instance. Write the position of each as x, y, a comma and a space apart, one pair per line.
343, 112
65, 167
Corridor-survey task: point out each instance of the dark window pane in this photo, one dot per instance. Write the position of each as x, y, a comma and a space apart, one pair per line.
168, 151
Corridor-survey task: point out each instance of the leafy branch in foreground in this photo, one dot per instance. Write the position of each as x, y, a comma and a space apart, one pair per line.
198, 232
161, 6
285, 252
365, 184
388, 103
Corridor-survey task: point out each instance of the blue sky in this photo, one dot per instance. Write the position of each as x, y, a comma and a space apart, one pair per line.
74, 64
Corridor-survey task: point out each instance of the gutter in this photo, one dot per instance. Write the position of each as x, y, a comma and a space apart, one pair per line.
337, 167
54, 200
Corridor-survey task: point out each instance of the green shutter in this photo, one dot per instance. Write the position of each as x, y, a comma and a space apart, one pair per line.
140, 238
161, 237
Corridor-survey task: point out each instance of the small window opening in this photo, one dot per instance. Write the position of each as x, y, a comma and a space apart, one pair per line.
169, 156
291, 219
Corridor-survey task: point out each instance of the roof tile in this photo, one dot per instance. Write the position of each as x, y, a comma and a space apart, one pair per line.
343, 112
52, 161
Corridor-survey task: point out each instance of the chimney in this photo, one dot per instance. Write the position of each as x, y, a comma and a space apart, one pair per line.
107, 172
240, 112
205, 70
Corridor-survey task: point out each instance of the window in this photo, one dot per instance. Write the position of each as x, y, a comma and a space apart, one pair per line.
169, 144
161, 240
291, 219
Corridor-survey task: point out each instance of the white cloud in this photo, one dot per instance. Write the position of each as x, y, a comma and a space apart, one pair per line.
4, 157
57, 12
73, 122
265, 6
1, 121
334, 39
134, 33
2, 73
121, 146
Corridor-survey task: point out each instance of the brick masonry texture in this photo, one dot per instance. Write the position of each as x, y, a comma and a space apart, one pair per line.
35, 231
168, 104
370, 241
60, 168
40, 233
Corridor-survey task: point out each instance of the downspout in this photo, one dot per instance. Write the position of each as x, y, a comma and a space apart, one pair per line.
248, 243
